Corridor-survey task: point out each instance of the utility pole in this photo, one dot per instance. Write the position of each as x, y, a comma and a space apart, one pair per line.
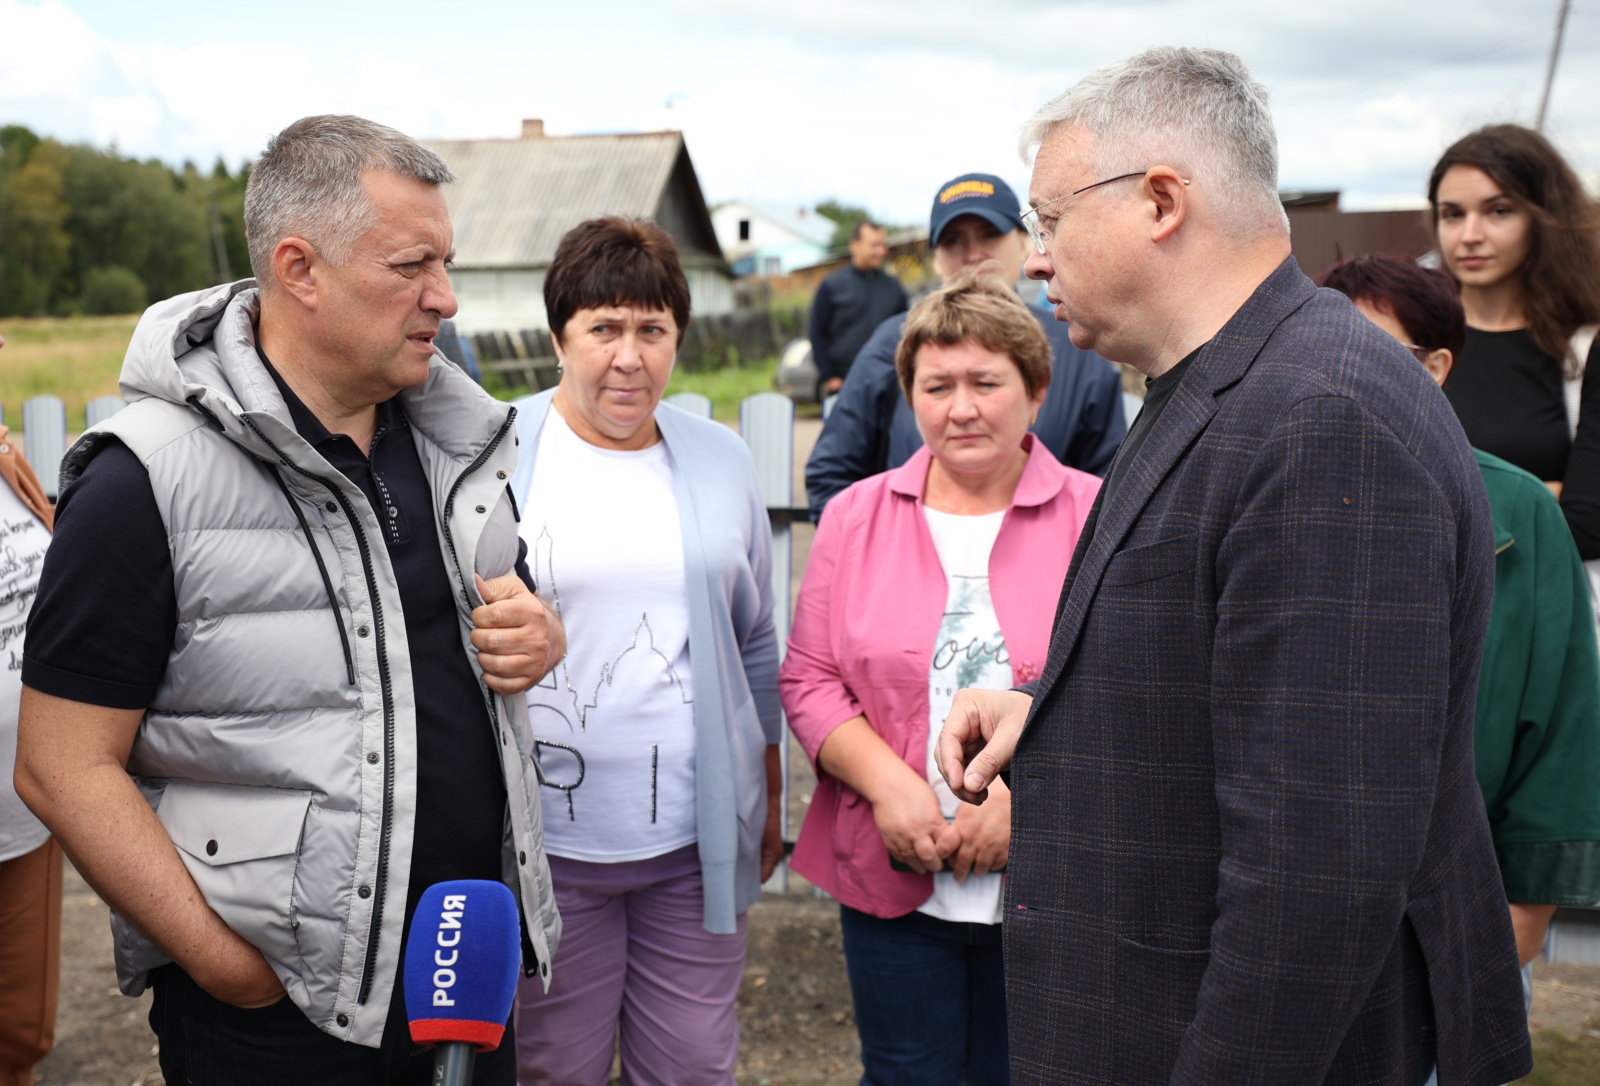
1550, 69
219, 247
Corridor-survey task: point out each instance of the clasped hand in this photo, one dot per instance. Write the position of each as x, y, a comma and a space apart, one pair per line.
915, 832
518, 638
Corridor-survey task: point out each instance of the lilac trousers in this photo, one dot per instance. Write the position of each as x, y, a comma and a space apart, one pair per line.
634, 954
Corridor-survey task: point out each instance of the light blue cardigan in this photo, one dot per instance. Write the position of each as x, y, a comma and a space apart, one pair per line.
733, 645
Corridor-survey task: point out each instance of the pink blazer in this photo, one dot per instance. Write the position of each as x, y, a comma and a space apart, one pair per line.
862, 643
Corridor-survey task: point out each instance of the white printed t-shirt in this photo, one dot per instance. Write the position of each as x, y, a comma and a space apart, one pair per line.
22, 545
970, 652
613, 723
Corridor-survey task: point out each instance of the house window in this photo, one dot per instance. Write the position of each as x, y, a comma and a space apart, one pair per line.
744, 229
774, 266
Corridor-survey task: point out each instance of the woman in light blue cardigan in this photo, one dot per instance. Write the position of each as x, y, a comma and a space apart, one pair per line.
658, 734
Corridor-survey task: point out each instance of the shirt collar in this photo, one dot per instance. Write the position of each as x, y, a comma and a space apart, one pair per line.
306, 424
1042, 477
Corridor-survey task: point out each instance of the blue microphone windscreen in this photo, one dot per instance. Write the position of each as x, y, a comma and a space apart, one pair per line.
461, 963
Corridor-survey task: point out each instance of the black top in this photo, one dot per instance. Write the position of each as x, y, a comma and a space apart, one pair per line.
1156, 394
848, 307
103, 623
1509, 396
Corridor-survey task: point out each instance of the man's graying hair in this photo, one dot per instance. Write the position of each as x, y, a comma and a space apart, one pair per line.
307, 184
1196, 110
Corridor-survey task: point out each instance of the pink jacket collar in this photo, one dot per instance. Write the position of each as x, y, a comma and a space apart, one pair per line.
1042, 478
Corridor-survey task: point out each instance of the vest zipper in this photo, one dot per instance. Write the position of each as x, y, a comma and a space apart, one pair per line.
327, 582
385, 832
488, 695
450, 498
449, 503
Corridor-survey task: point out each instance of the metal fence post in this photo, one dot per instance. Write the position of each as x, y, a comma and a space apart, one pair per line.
44, 424
766, 422
692, 402
101, 408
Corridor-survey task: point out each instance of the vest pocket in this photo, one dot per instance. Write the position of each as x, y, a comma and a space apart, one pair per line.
241, 845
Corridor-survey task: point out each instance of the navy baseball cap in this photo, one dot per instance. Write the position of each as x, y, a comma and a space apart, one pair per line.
980, 194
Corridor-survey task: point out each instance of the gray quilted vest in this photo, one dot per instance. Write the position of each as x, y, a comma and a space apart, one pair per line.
280, 750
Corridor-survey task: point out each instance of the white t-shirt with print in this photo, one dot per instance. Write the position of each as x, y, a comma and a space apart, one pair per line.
613, 722
970, 652
22, 545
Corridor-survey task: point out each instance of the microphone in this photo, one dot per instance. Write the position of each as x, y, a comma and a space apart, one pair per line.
461, 972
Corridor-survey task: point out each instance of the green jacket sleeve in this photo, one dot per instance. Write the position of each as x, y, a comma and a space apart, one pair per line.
1538, 726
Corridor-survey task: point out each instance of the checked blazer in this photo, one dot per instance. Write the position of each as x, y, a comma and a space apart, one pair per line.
1248, 845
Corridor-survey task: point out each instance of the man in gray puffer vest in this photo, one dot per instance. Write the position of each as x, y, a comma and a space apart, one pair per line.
273, 685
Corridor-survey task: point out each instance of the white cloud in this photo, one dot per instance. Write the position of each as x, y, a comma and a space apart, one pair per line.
786, 102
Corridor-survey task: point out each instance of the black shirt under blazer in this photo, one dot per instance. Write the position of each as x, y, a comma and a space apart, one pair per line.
1248, 843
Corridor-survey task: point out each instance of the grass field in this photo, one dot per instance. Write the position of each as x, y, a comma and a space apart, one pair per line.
76, 358
726, 388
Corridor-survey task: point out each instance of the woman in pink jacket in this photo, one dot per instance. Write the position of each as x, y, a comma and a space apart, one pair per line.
938, 575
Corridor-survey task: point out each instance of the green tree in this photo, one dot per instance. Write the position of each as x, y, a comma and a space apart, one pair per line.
112, 290
136, 215
66, 211
845, 217
35, 247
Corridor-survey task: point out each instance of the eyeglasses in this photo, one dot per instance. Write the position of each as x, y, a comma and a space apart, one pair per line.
1422, 353
1041, 234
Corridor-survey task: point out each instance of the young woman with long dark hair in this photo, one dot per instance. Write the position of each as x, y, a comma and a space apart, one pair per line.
1521, 238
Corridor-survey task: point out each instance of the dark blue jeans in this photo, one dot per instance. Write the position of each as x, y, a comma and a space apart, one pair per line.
930, 1000
205, 1042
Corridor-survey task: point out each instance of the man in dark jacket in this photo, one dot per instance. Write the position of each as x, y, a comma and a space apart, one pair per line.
1248, 844
975, 219
851, 302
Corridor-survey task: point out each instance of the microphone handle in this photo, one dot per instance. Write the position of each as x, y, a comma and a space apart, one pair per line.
453, 1062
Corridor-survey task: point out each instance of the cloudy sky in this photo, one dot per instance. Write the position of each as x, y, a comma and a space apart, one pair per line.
792, 101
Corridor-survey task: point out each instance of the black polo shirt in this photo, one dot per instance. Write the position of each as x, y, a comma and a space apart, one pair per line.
103, 623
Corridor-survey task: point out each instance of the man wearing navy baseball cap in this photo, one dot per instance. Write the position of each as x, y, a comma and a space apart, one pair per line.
975, 218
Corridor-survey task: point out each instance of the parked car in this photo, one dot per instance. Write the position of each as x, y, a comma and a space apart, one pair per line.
797, 374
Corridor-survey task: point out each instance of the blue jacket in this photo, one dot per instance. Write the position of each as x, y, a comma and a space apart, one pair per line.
1248, 844
1081, 421
733, 645
848, 305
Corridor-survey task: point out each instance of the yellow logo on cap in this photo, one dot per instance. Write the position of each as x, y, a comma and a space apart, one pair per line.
966, 188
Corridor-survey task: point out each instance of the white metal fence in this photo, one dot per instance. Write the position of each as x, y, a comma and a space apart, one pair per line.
44, 424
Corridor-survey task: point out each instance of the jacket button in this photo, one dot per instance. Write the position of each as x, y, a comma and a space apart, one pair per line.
499, 475
372, 759
522, 858
211, 848
331, 506
362, 631
481, 509
364, 893
343, 1019
503, 738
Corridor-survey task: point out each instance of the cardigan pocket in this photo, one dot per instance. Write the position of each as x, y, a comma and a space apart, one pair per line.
1156, 993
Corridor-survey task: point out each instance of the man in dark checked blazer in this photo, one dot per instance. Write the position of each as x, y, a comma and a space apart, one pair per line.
1247, 846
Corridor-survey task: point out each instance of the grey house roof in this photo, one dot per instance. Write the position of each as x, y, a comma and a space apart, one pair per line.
514, 199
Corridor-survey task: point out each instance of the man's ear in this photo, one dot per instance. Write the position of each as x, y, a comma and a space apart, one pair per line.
1168, 193
297, 267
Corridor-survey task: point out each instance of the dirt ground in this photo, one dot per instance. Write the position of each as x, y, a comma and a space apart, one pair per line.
796, 1023
795, 1018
